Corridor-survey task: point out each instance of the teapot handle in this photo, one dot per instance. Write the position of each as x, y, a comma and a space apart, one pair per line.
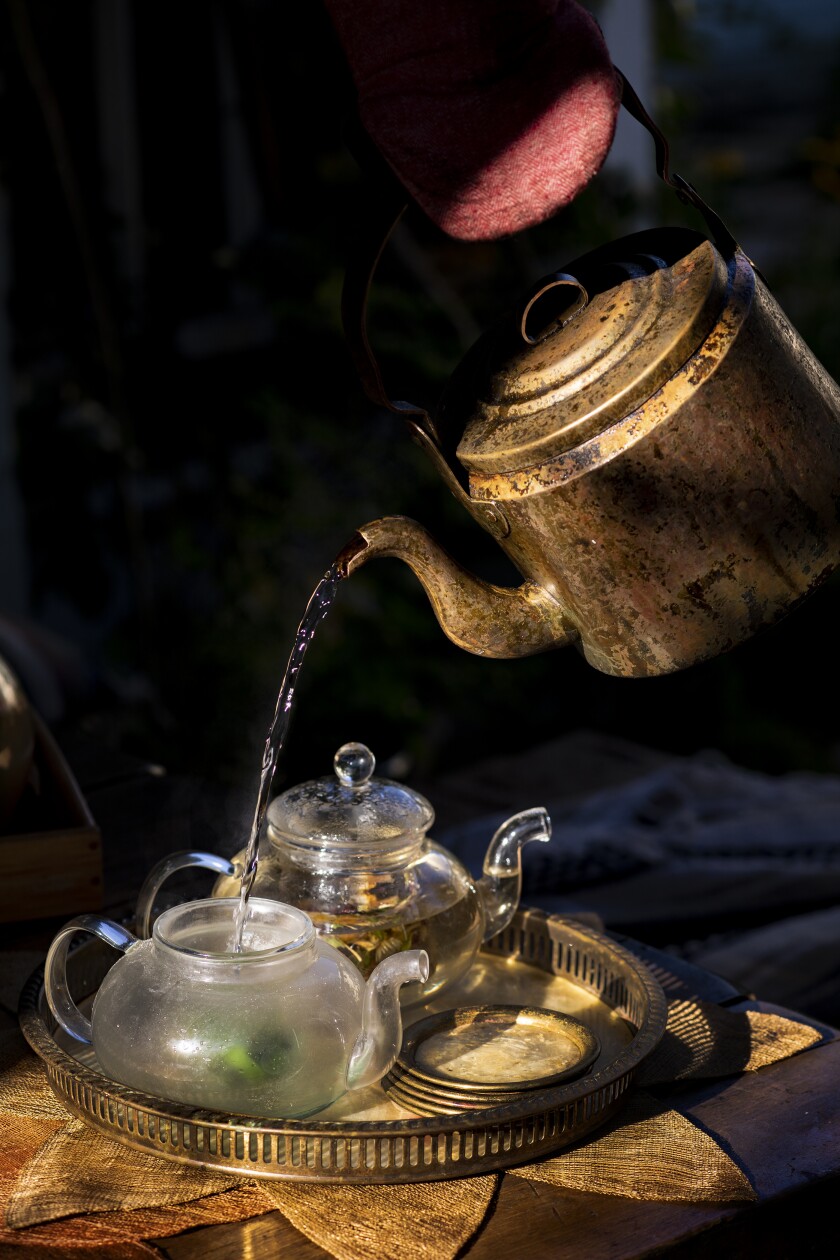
161, 871
55, 969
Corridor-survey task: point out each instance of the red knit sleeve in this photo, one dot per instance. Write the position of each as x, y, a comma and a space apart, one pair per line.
492, 113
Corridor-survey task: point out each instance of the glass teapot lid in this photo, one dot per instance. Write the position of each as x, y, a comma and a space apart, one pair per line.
351, 812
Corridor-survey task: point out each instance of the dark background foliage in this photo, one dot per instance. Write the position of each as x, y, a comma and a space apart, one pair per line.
194, 447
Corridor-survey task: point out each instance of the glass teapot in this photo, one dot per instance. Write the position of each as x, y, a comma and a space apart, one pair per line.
353, 852
281, 1028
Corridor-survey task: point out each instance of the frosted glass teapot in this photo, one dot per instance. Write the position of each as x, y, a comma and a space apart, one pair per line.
353, 851
281, 1028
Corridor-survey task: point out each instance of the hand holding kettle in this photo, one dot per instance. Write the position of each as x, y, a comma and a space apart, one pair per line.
648, 439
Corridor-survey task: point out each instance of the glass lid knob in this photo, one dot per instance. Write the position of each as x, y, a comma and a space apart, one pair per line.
354, 764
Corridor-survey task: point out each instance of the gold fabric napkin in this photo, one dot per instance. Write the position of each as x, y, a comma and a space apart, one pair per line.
650, 1151
78, 1171
429, 1220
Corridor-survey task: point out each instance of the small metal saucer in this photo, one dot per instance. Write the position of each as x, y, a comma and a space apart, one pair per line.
419, 1105
480, 1056
407, 1085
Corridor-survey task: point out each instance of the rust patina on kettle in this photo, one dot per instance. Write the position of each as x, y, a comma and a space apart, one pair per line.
648, 439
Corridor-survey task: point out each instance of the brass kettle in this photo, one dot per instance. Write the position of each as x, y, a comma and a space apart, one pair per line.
649, 440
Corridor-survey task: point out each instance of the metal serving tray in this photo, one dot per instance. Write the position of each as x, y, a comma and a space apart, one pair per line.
539, 960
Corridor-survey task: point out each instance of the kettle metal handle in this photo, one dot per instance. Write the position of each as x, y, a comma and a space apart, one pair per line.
686, 192
383, 203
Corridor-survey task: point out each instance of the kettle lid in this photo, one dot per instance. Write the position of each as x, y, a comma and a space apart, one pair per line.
554, 373
350, 811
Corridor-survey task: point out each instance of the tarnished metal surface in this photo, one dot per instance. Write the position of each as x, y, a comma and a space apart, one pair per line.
543, 399
703, 515
496, 621
615, 436
653, 537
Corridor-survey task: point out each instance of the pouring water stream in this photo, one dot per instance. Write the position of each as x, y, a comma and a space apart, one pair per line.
320, 603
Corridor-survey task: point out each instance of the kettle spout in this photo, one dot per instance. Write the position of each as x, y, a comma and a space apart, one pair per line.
487, 620
379, 1042
501, 883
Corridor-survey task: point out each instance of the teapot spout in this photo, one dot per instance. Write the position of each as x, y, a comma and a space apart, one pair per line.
501, 883
487, 620
378, 1044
